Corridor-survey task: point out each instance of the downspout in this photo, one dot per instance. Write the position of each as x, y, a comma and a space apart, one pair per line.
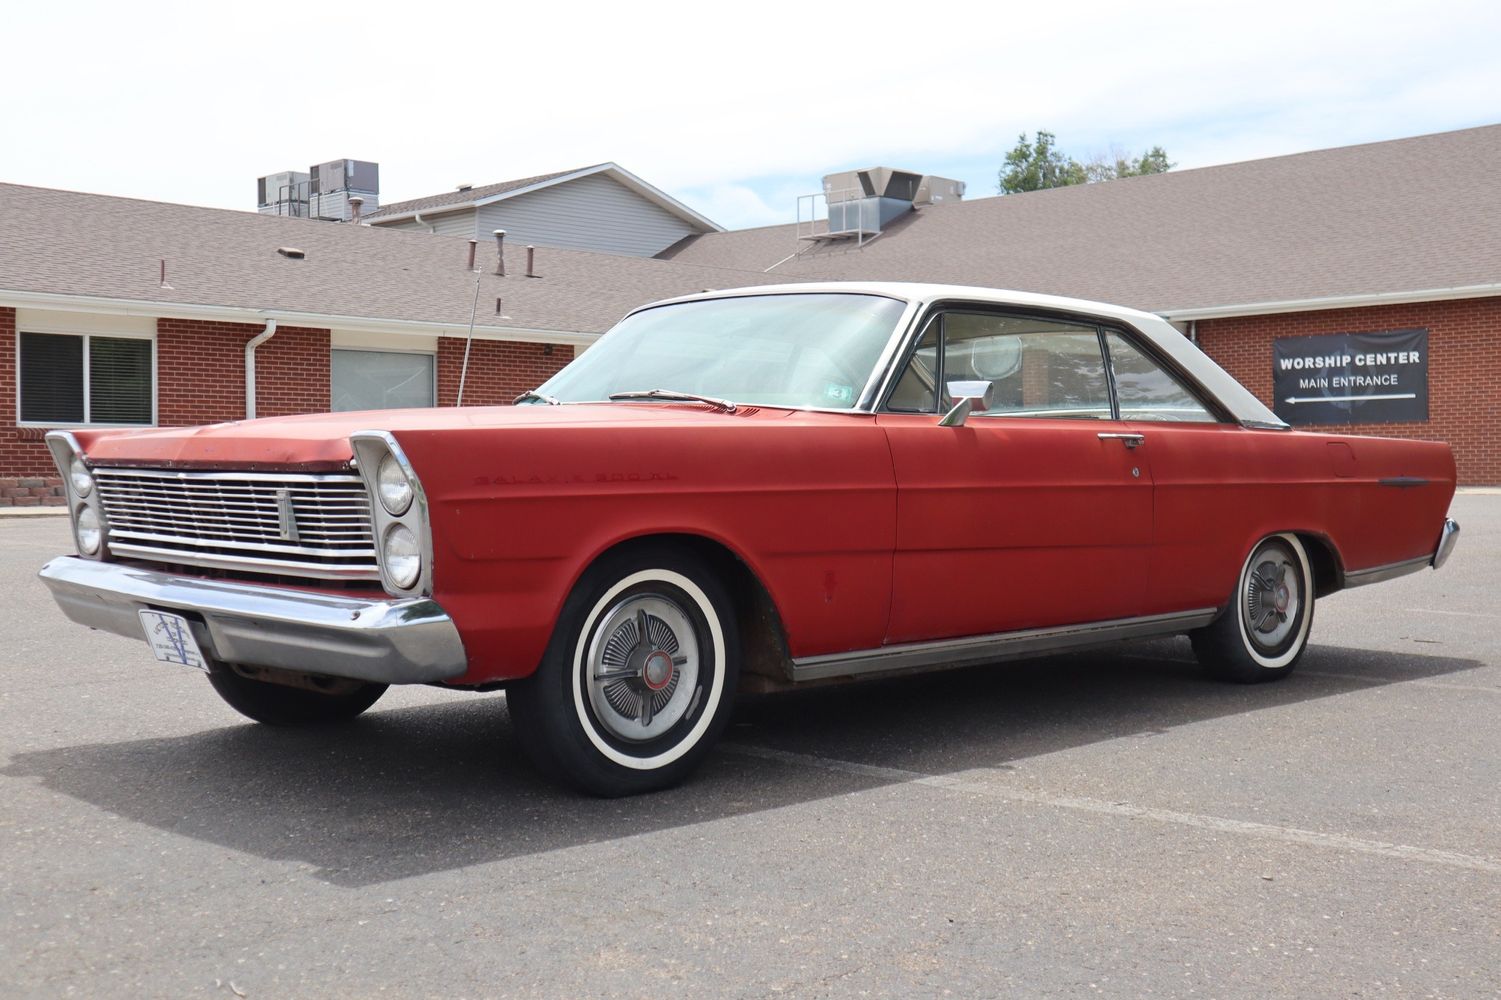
1193, 332
256, 341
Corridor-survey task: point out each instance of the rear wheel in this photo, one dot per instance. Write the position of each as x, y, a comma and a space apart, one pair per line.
1263, 633
308, 699
636, 684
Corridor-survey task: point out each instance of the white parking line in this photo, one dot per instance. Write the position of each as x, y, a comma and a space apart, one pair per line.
1124, 810
1380, 681
1463, 614
1363, 678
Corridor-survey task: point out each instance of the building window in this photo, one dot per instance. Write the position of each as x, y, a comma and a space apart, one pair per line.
381, 380
71, 378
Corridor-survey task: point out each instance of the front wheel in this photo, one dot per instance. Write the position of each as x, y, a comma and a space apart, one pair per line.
1264, 631
637, 681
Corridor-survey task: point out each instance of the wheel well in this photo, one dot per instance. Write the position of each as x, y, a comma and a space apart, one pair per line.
763, 638
1323, 558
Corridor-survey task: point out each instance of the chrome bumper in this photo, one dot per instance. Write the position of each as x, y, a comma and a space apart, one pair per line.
386, 640
1446, 540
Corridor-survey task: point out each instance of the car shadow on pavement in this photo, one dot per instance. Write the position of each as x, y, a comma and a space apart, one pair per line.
410, 791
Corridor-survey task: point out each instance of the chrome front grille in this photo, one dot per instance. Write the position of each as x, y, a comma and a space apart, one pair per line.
286, 524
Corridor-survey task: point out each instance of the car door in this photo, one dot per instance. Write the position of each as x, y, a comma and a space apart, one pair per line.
1036, 512
1210, 483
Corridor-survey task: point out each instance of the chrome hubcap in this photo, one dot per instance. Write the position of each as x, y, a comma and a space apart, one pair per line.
1272, 600
643, 666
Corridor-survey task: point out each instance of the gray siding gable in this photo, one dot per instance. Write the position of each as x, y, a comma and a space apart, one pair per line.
595, 213
591, 213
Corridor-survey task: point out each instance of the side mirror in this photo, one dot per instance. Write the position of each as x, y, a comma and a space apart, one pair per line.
968, 397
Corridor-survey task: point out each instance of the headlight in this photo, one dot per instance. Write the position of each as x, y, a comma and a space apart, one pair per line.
402, 557
394, 488
86, 530
83, 481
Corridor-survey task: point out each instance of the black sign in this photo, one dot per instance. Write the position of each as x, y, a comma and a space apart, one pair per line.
1352, 378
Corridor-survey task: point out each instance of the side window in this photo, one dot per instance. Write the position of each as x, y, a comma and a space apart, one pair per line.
1145, 391
917, 390
1040, 368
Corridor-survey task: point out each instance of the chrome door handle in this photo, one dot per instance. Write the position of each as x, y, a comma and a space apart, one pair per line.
1129, 440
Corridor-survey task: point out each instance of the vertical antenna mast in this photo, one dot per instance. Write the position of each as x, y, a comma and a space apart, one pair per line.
464, 371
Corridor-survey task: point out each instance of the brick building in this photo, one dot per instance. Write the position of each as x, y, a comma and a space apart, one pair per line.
117, 312
130, 313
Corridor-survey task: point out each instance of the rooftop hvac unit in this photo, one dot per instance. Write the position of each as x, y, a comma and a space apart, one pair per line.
346, 175
274, 189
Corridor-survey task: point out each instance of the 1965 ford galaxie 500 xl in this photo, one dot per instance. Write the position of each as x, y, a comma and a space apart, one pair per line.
761, 487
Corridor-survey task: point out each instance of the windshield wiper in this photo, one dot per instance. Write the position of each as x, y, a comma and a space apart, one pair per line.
684, 397
534, 394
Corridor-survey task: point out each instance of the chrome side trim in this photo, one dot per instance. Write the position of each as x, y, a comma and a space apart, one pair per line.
1000, 646
387, 641
1390, 571
1446, 541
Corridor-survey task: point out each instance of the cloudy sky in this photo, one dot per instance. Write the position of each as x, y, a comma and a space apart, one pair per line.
736, 109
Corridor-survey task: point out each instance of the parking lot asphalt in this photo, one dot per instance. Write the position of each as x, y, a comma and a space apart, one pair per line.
1101, 824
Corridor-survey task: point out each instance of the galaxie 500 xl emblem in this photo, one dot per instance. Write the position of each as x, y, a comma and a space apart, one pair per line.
286, 517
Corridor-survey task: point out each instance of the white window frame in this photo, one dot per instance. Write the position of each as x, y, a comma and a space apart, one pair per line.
384, 350
110, 334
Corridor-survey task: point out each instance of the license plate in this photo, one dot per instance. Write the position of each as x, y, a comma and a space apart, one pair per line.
171, 639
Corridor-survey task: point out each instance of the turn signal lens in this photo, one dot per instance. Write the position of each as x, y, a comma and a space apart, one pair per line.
83, 481
403, 558
87, 531
394, 488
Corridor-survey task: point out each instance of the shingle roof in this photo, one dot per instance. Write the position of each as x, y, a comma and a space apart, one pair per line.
1389, 217
67, 243
457, 198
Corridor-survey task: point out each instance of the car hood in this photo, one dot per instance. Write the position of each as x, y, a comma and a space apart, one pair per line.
321, 441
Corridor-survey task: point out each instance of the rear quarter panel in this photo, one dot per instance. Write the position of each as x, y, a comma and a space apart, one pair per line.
1221, 488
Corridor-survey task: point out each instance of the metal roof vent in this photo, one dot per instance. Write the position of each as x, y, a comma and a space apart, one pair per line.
291, 253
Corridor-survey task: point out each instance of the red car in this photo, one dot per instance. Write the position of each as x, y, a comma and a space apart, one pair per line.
759, 488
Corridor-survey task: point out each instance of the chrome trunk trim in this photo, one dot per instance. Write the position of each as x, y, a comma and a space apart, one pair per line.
1000, 646
377, 639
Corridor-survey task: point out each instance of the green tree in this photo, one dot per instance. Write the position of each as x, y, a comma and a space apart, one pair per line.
1033, 166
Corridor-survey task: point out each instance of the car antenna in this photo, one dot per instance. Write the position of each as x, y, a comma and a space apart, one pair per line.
464, 371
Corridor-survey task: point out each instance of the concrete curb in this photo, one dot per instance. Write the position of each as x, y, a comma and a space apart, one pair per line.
33, 512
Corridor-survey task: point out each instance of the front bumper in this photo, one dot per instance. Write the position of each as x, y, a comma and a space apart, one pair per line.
384, 640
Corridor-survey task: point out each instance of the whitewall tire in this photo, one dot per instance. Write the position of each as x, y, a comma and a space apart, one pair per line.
1264, 631
638, 679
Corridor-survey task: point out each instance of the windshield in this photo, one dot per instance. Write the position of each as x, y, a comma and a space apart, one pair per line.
815, 350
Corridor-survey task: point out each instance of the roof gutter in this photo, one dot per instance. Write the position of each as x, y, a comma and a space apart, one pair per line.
256, 341
1332, 302
239, 314
421, 216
